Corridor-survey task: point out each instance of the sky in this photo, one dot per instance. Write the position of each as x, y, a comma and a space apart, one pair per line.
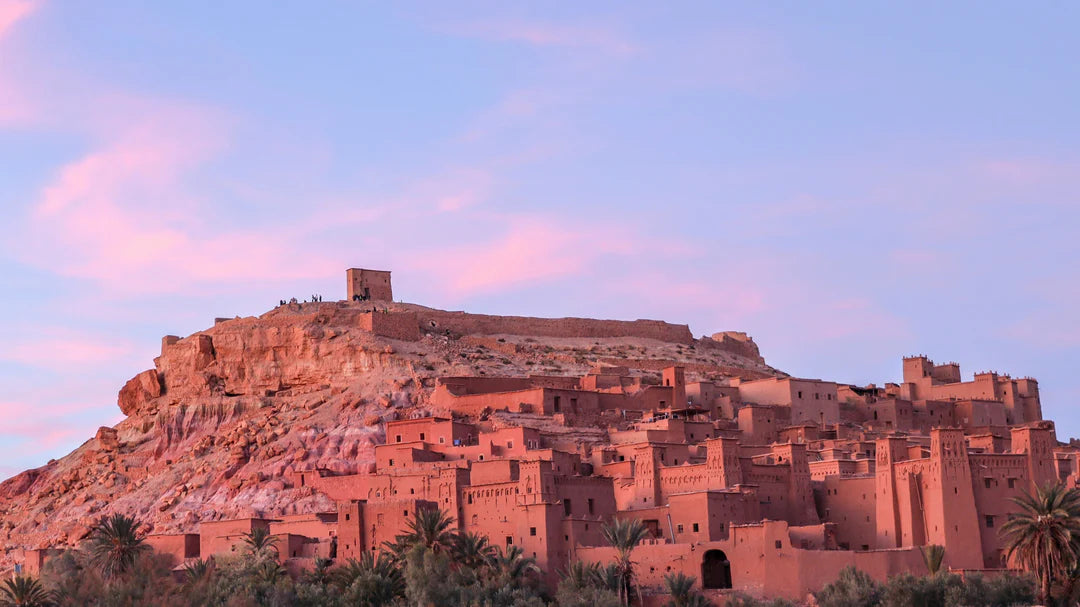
848, 182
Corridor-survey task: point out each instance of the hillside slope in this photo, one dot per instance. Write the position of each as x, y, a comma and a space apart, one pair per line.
225, 414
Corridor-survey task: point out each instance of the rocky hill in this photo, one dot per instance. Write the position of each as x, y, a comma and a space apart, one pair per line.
216, 427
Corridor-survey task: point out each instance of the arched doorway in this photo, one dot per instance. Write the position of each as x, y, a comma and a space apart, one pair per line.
715, 570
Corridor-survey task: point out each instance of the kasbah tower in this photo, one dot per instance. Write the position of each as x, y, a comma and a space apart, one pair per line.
536, 432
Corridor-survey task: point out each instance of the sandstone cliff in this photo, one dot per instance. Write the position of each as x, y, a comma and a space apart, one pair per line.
217, 426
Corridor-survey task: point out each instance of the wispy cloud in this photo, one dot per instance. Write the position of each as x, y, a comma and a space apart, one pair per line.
57, 347
12, 11
532, 249
545, 34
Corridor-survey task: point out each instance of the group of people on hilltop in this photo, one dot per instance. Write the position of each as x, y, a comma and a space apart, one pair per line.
314, 299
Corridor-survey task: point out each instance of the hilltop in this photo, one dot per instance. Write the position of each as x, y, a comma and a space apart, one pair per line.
219, 426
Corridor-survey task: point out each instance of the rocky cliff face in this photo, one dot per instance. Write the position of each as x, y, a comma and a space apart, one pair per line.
217, 426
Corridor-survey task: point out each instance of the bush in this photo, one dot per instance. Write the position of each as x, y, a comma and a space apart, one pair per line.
853, 588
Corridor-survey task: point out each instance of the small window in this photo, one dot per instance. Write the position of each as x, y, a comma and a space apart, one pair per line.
779, 544
865, 547
442, 439
989, 520
421, 436
346, 516
509, 444
800, 393
397, 438
1012, 483
695, 527
470, 498
532, 530
986, 482
509, 540
591, 509
679, 529
391, 462
566, 507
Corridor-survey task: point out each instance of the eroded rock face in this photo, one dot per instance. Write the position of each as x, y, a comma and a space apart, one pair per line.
139, 391
217, 427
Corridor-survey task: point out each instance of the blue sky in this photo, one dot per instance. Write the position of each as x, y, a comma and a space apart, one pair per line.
849, 183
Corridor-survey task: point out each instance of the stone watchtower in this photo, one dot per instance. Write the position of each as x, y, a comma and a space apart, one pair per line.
368, 284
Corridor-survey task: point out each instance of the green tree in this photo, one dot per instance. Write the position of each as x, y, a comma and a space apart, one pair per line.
259, 545
683, 594
933, 555
1045, 535
624, 535
472, 550
852, 588
512, 568
114, 544
431, 528
24, 591
372, 581
319, 575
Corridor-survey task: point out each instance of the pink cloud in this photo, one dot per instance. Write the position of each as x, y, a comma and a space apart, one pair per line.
541, 34
12, 11
1025, 171
14, 106
533, 249
42, 430
58, 347
125, 215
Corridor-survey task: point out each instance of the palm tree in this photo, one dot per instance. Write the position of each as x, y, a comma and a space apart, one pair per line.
681, 589
321, 574
268, 572
22, 591
431, 528
114, 544
933, 555
371, 581
624, 535
581, 574
260, 545
1045, 535
609, 577
198, 571
512, 566
472, 550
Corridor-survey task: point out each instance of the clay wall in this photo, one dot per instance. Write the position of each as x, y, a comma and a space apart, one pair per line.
821, 469
736, 342
373, 284
976, 413
762, 562
223, 537
316, 525
850, 503
460, 386
434, 430
547, 401
395, 325
760, 424
493, 472
350, 529
482, 324
343, 487
31, 562
995, 479
674, 377
180, 546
